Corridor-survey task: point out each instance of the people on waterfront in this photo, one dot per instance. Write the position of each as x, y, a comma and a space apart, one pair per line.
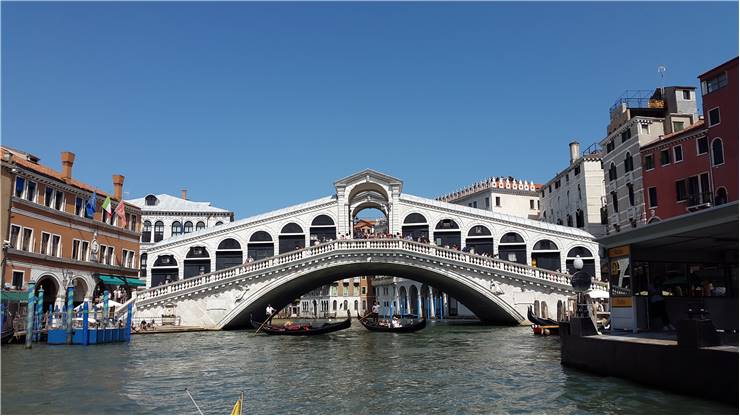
657, 306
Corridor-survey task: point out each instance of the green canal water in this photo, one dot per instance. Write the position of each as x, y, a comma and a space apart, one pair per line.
442, 369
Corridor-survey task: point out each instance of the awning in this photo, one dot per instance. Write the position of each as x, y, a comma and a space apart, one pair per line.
120, 280
14, 296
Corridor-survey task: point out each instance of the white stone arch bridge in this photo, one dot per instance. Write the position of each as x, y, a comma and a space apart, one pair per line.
296, 249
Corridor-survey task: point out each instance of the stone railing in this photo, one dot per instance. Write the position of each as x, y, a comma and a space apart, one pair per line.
361, 246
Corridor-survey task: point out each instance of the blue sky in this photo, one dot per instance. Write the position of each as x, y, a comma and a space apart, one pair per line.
257, 106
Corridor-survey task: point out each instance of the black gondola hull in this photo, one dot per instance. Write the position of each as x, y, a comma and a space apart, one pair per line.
271, 330
408, 328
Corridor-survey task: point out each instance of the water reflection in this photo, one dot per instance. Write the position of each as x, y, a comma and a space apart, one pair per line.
442, 369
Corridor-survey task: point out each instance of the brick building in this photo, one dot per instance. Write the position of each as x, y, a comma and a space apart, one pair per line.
51, 241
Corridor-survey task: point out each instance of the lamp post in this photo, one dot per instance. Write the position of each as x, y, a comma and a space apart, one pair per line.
581, 282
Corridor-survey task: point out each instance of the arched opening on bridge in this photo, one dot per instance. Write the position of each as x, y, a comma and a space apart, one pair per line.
545, 255
416, 226
512, 248
260, 246
291, 238
369, 220
50, 286
414, 300
164, 270
447, 234
403, 302
197, 262
589, 263
322, 229
228, 254
480, 240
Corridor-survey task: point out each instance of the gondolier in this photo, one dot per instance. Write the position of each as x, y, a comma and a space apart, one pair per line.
375, 311
269, 310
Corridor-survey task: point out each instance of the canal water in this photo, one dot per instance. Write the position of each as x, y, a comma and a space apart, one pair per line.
442, 369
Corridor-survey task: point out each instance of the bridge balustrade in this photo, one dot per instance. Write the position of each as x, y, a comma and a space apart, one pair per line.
358, 245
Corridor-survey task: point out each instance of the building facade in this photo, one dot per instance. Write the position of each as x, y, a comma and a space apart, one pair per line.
54, 241
503, 195
638, 118
166, 216
334, 300
574, 196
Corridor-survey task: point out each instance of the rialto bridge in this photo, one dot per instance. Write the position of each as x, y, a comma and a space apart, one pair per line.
215, 278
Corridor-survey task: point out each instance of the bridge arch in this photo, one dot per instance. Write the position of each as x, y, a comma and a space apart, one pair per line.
416, 225
281, 291
323, 228
291, 238
260, 245
368, 187
197, 261
480, 239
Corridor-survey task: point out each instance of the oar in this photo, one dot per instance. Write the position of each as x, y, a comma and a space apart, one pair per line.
196, 404
263, 323
364, 318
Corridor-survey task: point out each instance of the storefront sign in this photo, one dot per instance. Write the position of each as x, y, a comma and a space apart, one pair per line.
621, 251
621, 302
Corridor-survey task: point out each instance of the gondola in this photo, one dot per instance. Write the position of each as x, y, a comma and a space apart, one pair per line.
539, 321
7, 334
304, 329
542, 326
379, 328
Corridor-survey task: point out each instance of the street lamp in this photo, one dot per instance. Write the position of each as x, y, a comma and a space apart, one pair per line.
581, 282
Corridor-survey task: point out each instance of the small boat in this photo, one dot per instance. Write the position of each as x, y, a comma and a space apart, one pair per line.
539, 321
7, 334
542, 326
303, 329
373, 326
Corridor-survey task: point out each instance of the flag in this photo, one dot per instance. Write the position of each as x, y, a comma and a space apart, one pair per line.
106, 205
90, 206
121, 212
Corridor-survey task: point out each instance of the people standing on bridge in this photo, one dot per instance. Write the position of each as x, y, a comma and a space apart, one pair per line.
270, 311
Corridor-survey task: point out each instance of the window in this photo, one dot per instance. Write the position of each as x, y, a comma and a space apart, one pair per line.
85, 251
579, 219
628, 163
158, 231
364, 290
626, 135
488, 202
665, 157
109, 258
570, 220
577, 170
151, 200
677, 126
579, 194
567, 178
132, 223
714, 84
645, 128
714, 116
20, 184
76, 249
531, 204
702, 146
718, 155
649, 163
653, 197
615, 202
79, 206
17, 279
498, 201
49, 197
677, 154
59, 202
612, 172
610, 146
27, 243
31, 191
128, 259
680, 190
686, 94
188, 227
475, 204
44, 248
146, 232
631, 194
56, 242
176, 228
219, 223
200, 226
15, 233
557, 184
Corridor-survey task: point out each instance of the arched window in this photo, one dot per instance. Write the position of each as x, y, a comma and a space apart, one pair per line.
569, 219
718, 153
200, 226
334, 306
415, 218
447, 234
612, 172
580, 223
188, 227
146, 232
219, 223
176, 228
228, 254
512, 248
416, 226
322, 229
151, 200
164, 270
546, 255
197, 262
721, 197
142, 265
446, 224
589, 264
260, 246
628, 162
158, 231
291, 238
631, 194
356, 304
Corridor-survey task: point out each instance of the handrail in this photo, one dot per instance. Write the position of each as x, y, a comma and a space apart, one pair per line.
360, 245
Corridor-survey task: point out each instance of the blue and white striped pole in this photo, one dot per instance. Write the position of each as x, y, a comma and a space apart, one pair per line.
85, 322
39, 313
70, 312
105, 308
30, 307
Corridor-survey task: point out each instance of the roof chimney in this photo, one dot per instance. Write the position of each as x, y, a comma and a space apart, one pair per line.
575, 151
68, 159
184, 194
118, 187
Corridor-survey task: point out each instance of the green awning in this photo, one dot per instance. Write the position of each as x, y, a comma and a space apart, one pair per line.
14, 296
120, 280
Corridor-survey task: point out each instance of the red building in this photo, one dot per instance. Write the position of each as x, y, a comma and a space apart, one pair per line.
697, 167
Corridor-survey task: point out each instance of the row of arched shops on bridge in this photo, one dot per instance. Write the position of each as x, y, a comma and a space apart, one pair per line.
479, 239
